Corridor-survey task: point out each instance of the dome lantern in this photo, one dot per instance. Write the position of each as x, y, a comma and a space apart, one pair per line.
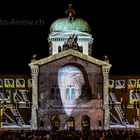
70, 23
70, 12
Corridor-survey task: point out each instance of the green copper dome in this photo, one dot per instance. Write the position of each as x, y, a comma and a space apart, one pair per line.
65, 24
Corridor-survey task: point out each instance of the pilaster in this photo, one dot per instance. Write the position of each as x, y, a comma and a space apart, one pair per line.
34, 114
105, 70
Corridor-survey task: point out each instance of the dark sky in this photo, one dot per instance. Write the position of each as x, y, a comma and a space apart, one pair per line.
115, 28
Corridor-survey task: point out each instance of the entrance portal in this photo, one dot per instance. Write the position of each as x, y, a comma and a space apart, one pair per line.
85, 122
55, 122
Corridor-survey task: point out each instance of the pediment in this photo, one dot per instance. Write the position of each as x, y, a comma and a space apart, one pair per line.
70, 52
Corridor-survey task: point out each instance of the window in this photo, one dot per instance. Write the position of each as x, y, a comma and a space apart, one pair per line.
70, 93
67, 93
59, 49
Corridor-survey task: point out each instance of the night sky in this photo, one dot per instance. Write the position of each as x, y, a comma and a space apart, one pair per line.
115, 28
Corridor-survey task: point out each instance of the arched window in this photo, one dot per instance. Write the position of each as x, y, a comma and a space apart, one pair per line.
57, 93
53, 97
59, 49
85, 122
55, 122
72, 93
67, 93
71, 123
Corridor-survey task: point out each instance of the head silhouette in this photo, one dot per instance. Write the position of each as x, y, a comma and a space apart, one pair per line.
70, 82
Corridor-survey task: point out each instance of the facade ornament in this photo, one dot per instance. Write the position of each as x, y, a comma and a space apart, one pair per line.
70, 12
106, 59
72, 43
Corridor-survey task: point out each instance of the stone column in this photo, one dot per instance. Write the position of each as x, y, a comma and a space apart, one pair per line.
1, 114
34, 113
138, 114
105, 70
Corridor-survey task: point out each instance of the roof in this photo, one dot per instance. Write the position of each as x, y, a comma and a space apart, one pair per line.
65, 24
67, 53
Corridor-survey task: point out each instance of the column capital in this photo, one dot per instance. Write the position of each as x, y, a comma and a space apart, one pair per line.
34, 69
106, 69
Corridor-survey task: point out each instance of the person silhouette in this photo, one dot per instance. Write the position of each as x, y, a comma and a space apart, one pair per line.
41, 123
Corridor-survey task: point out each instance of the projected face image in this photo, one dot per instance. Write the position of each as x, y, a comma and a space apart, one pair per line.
70, 81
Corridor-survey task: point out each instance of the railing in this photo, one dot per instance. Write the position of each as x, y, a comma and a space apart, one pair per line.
137, 96
122, 116
19, 119
113, 97
24, 96
9, 117
113, 100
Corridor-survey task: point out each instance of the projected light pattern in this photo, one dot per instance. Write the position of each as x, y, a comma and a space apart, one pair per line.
70, 81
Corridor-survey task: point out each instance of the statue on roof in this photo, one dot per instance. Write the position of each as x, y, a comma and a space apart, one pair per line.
106, 59
71, 43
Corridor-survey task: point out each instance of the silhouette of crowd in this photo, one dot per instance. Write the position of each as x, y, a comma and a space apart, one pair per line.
112, 134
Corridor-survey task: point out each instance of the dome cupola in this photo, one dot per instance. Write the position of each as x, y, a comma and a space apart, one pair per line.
70, 23
70, 33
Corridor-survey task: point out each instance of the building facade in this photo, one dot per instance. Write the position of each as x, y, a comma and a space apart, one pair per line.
70, 89
70, 84
15, 100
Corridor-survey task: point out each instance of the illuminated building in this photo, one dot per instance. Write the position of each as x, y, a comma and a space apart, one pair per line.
15, 100
70, 83
70, 88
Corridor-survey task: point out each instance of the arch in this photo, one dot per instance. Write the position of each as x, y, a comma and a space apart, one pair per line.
71, 123
85, 123
86, 86
55, 93
59, 49
71, 79
55, 122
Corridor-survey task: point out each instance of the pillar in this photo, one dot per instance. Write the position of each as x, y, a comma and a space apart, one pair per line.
1, 114
34, 113
105, 70
138, 114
